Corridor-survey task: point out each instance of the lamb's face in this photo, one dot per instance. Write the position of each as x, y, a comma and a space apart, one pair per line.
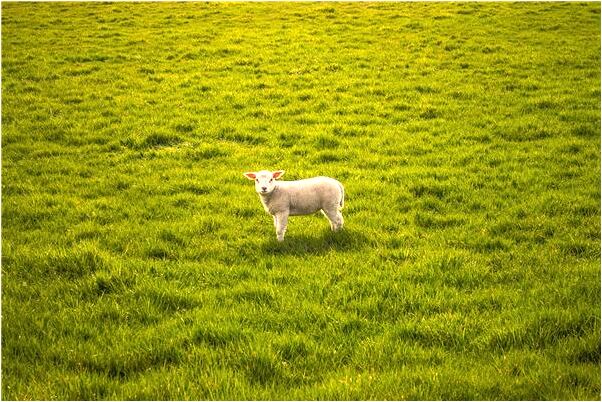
265, 181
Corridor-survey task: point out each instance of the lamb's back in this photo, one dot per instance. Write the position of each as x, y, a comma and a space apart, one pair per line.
309, 195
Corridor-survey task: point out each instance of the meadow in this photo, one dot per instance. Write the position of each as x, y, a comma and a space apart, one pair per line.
137, 261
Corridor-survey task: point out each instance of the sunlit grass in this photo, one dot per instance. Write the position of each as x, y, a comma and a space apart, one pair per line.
137, 261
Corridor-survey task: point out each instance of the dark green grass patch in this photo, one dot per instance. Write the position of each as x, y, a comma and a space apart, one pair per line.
138, 262
160, 139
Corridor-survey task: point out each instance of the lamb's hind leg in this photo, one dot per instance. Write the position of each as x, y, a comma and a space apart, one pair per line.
335, 217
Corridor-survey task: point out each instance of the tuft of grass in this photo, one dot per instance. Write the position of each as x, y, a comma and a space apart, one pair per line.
160, 140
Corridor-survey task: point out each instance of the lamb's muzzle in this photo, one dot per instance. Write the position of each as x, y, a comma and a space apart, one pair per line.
298, 197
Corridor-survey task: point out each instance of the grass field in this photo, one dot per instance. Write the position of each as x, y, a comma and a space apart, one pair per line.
137, 261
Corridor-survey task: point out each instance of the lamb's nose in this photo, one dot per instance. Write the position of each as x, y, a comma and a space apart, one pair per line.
264, 188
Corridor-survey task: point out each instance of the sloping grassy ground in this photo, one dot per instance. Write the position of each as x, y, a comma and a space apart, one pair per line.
137, 262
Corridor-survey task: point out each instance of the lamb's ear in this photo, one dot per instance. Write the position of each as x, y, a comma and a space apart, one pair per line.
250, 175
277, 174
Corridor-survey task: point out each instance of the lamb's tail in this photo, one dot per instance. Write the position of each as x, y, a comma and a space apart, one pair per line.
342, 200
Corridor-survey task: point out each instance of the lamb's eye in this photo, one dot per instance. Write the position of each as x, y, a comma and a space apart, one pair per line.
271, 180
257, 180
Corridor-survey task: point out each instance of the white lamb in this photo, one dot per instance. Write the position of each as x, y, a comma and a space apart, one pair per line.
299, 197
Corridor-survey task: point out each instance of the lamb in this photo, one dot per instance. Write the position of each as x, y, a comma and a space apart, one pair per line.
299, 197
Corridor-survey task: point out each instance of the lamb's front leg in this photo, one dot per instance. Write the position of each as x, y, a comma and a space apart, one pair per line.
280, 220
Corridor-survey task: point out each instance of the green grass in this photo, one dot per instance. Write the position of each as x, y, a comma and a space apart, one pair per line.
137, 261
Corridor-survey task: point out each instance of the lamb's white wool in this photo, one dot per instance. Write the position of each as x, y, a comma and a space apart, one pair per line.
299, 197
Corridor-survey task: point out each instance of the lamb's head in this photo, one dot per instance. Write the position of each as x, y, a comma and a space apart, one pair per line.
265, 181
